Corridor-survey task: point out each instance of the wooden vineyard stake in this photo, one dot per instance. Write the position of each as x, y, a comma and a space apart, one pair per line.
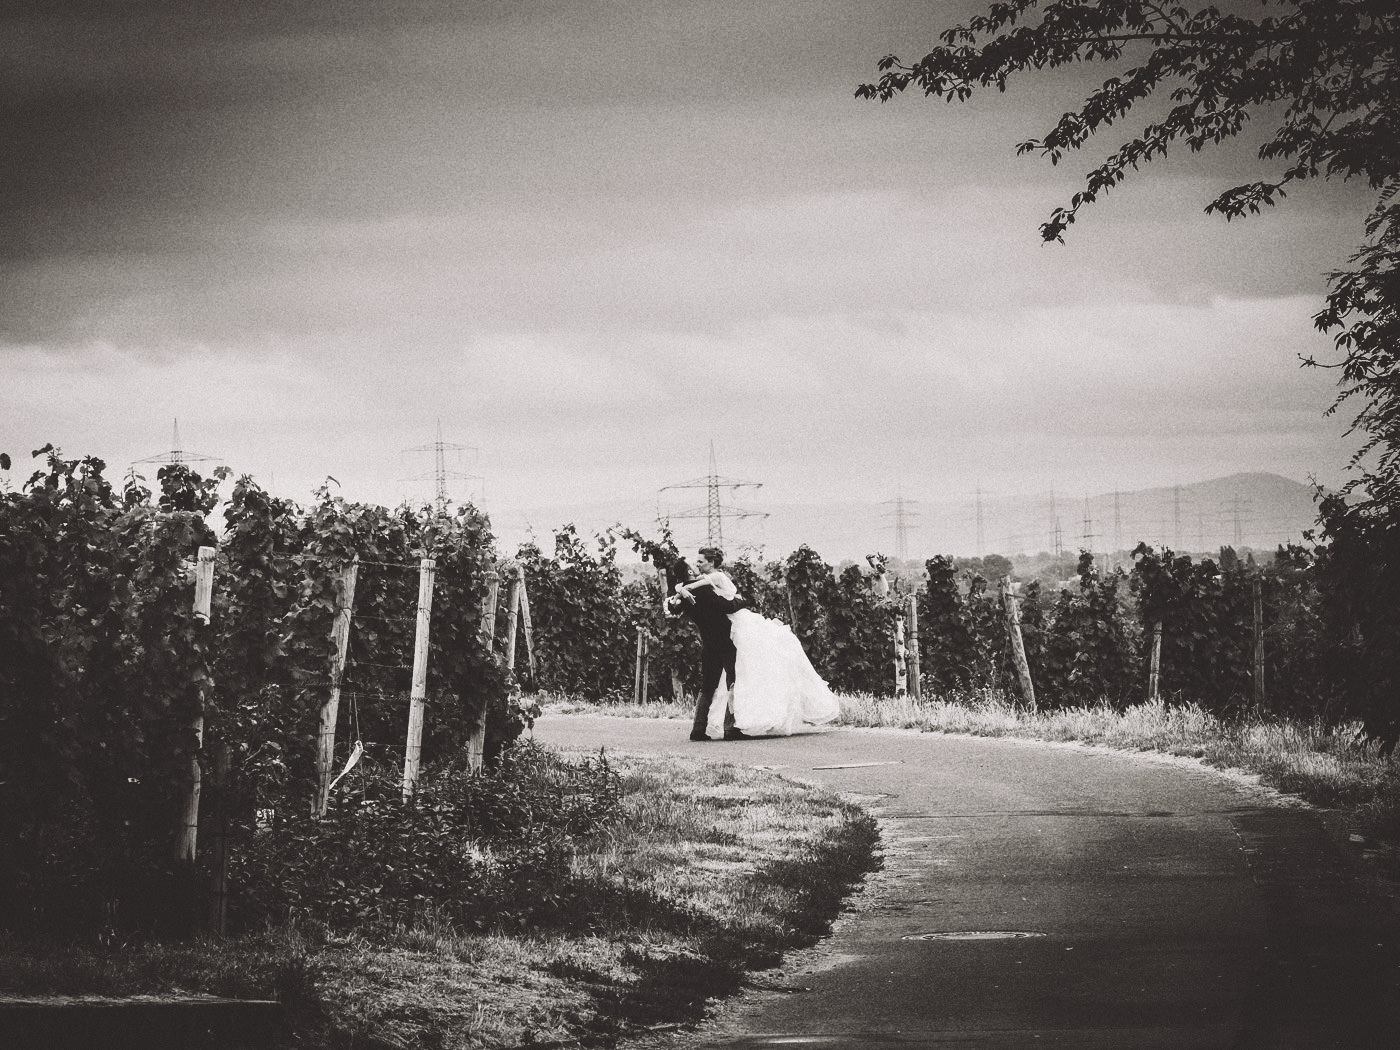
901, 663
915, 691
218, 885
1258, 643
325, 739
1154, 668
525, 625
188, 830
476, 742
1018, 644
513, 620
639, 681
413, 750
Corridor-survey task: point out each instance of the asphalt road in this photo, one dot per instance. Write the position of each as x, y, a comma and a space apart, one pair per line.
1041, 895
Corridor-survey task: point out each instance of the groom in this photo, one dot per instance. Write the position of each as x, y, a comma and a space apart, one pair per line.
710, 614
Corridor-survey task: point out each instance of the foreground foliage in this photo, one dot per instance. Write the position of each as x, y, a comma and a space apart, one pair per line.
671, 880
109, 677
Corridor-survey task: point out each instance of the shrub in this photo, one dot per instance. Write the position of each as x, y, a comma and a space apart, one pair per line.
478, 850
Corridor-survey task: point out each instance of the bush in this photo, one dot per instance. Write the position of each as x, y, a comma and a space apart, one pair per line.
477, 850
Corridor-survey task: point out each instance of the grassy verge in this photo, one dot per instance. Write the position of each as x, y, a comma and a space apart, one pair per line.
1324, 765
712, 871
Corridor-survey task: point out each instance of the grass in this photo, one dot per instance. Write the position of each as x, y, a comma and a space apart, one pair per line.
1325, 765
714, 870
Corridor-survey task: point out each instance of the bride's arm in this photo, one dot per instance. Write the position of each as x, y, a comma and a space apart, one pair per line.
694, 585
725, 591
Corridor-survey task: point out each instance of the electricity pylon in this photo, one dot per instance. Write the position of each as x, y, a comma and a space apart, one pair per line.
176, 455
901, 514
714, 512
440, 473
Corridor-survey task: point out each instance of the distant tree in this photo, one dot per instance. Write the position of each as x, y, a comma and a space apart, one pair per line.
1326, 73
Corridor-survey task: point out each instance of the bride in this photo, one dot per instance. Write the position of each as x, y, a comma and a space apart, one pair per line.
776, 689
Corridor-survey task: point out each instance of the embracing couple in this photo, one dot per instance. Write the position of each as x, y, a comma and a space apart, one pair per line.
776, 690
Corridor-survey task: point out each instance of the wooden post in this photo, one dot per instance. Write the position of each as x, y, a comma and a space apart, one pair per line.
330, 710
915, 685
487, 632
218, 889
476, 742
525, 624
188, 830
1154, 670
513, 619
1258, 643
638, 689
204, 583
646, 664
413, 750
1018, 644
901, 665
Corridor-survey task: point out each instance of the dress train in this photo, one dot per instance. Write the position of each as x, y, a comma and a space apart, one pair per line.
777, 691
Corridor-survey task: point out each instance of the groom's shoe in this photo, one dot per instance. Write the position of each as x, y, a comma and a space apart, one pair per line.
698, 737
736, 734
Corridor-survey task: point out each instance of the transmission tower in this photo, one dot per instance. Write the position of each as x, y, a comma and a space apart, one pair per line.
1237, 505
1176, 516
1057, 536
714, 512
1117, 523
177, 455
901, 513
1089, 534
980, 524
440, 473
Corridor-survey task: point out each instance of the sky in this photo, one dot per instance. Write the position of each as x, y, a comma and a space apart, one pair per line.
593, 241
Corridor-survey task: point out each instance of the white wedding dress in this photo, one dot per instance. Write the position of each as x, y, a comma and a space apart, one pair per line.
777, 691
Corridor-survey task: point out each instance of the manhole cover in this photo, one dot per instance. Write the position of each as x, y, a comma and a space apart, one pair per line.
973, 935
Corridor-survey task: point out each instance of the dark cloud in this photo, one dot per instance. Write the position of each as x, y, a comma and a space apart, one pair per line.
559, 218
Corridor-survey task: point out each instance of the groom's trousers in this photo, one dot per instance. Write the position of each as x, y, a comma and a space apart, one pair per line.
716, 664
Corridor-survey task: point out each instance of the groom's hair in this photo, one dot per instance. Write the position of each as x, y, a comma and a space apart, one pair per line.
714, 555
679, 571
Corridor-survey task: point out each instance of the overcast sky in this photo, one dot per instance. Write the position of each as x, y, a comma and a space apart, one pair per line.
593, 238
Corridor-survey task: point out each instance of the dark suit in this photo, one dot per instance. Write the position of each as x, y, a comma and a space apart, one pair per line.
710, 613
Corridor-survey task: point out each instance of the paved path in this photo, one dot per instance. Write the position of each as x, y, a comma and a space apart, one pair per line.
1122, 902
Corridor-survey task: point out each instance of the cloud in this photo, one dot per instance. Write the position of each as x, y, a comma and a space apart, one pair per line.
592, 243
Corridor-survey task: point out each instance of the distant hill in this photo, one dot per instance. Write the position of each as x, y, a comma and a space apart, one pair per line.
1252, 510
